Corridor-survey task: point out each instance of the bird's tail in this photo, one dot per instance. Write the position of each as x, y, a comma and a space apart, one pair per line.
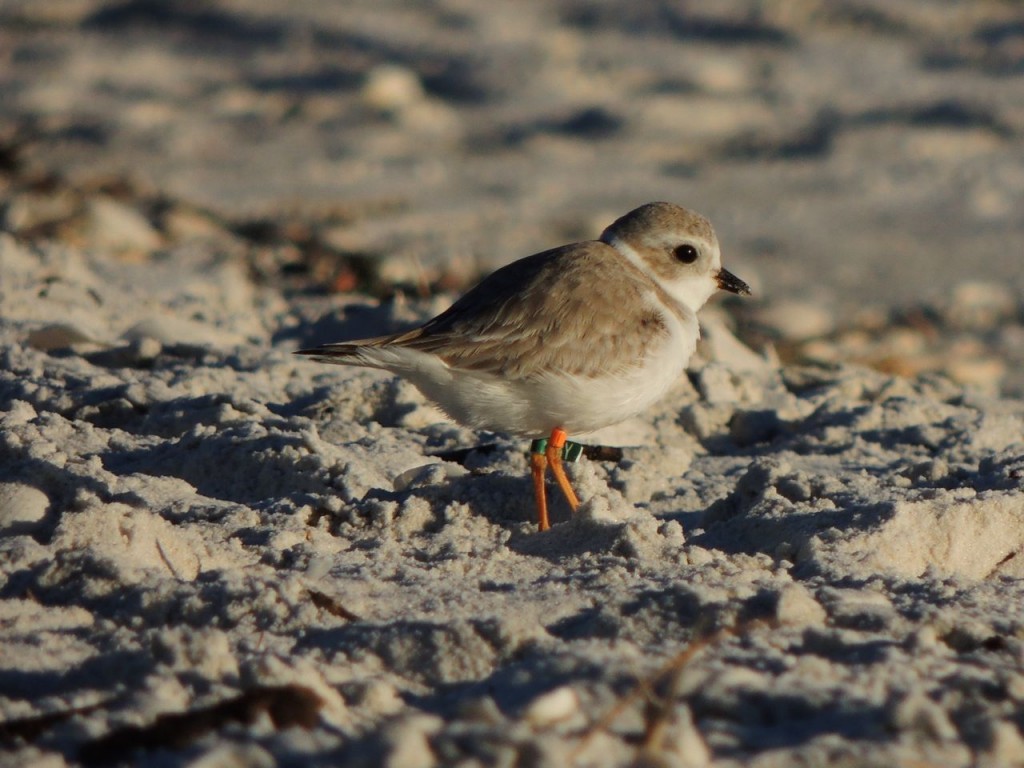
348, 352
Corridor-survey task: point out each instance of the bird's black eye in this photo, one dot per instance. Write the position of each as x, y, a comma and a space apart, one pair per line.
685, 253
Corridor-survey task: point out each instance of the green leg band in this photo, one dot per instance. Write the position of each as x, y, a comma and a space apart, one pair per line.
571, 451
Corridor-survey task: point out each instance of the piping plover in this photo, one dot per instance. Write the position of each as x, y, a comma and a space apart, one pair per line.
565, 341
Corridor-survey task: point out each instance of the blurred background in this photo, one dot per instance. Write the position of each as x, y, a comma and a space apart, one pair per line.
863, 162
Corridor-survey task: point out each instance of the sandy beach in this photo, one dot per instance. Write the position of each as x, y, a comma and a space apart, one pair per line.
216, 553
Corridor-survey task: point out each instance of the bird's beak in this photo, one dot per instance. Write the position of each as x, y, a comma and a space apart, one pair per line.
727, 281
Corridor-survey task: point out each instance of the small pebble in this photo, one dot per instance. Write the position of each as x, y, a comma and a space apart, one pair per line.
112, 225
389, 88
552, 707
798, 320
22, 507
797, 607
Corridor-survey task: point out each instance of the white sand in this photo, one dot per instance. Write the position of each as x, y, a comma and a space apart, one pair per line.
214, 553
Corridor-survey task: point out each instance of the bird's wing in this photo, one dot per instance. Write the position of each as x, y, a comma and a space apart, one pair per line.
575, 310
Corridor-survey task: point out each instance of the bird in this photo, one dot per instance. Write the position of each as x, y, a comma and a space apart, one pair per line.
566, 341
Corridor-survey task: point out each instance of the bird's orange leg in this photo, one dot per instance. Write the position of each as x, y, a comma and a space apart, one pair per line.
554, 457
539, 463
